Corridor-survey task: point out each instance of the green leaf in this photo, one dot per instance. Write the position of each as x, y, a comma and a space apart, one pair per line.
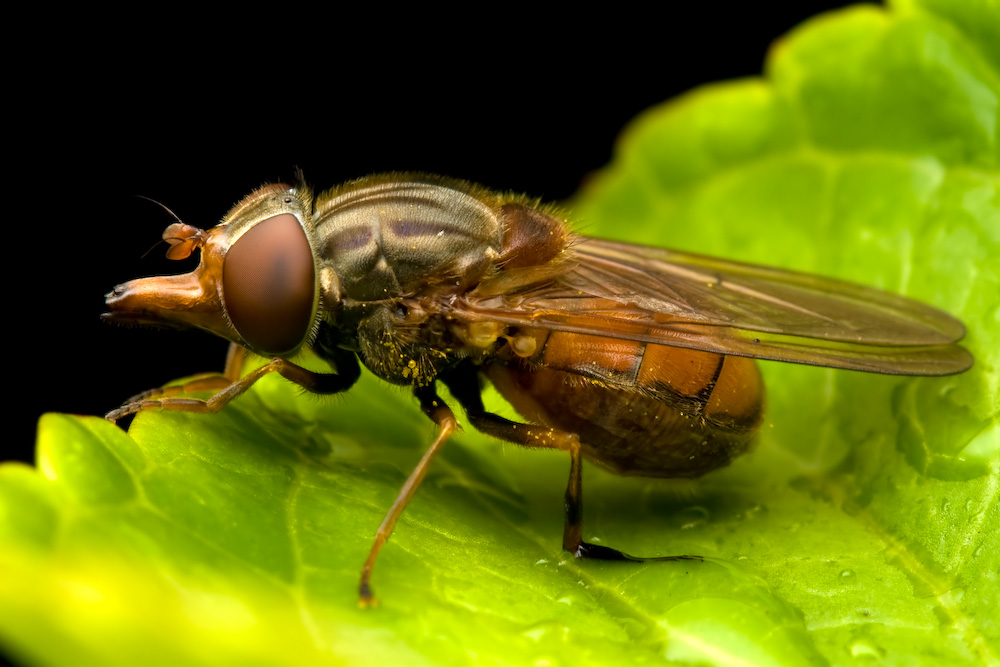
864, 527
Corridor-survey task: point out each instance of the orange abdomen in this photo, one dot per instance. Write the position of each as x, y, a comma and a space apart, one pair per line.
639, 409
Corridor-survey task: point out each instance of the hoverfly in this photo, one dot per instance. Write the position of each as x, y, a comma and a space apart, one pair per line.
638, 359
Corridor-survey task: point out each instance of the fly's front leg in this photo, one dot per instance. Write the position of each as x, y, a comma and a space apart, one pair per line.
206, 382
441, 414
235, 357
230, 385
464, 386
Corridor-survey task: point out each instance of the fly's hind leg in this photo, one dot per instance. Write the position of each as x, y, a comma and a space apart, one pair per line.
464, 386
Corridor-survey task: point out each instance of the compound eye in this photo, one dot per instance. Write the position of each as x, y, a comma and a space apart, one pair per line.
268, 283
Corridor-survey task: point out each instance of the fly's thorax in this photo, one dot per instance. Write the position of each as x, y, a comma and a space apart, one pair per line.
405, 347
382, 240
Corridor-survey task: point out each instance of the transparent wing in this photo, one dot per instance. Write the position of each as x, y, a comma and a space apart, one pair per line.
654, 295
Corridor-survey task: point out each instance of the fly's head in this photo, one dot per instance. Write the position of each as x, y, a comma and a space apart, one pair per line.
256, 283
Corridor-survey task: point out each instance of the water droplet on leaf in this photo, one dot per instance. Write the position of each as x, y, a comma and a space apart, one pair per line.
692, 517
864, 649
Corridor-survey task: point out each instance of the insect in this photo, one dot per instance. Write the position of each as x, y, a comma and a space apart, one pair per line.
638, 359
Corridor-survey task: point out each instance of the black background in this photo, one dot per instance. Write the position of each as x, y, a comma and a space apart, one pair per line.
196, 121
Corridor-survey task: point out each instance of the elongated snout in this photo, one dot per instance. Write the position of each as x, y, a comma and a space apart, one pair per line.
167, 301
181, 301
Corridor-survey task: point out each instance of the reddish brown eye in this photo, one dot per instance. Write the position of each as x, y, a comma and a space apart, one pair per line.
268, 283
